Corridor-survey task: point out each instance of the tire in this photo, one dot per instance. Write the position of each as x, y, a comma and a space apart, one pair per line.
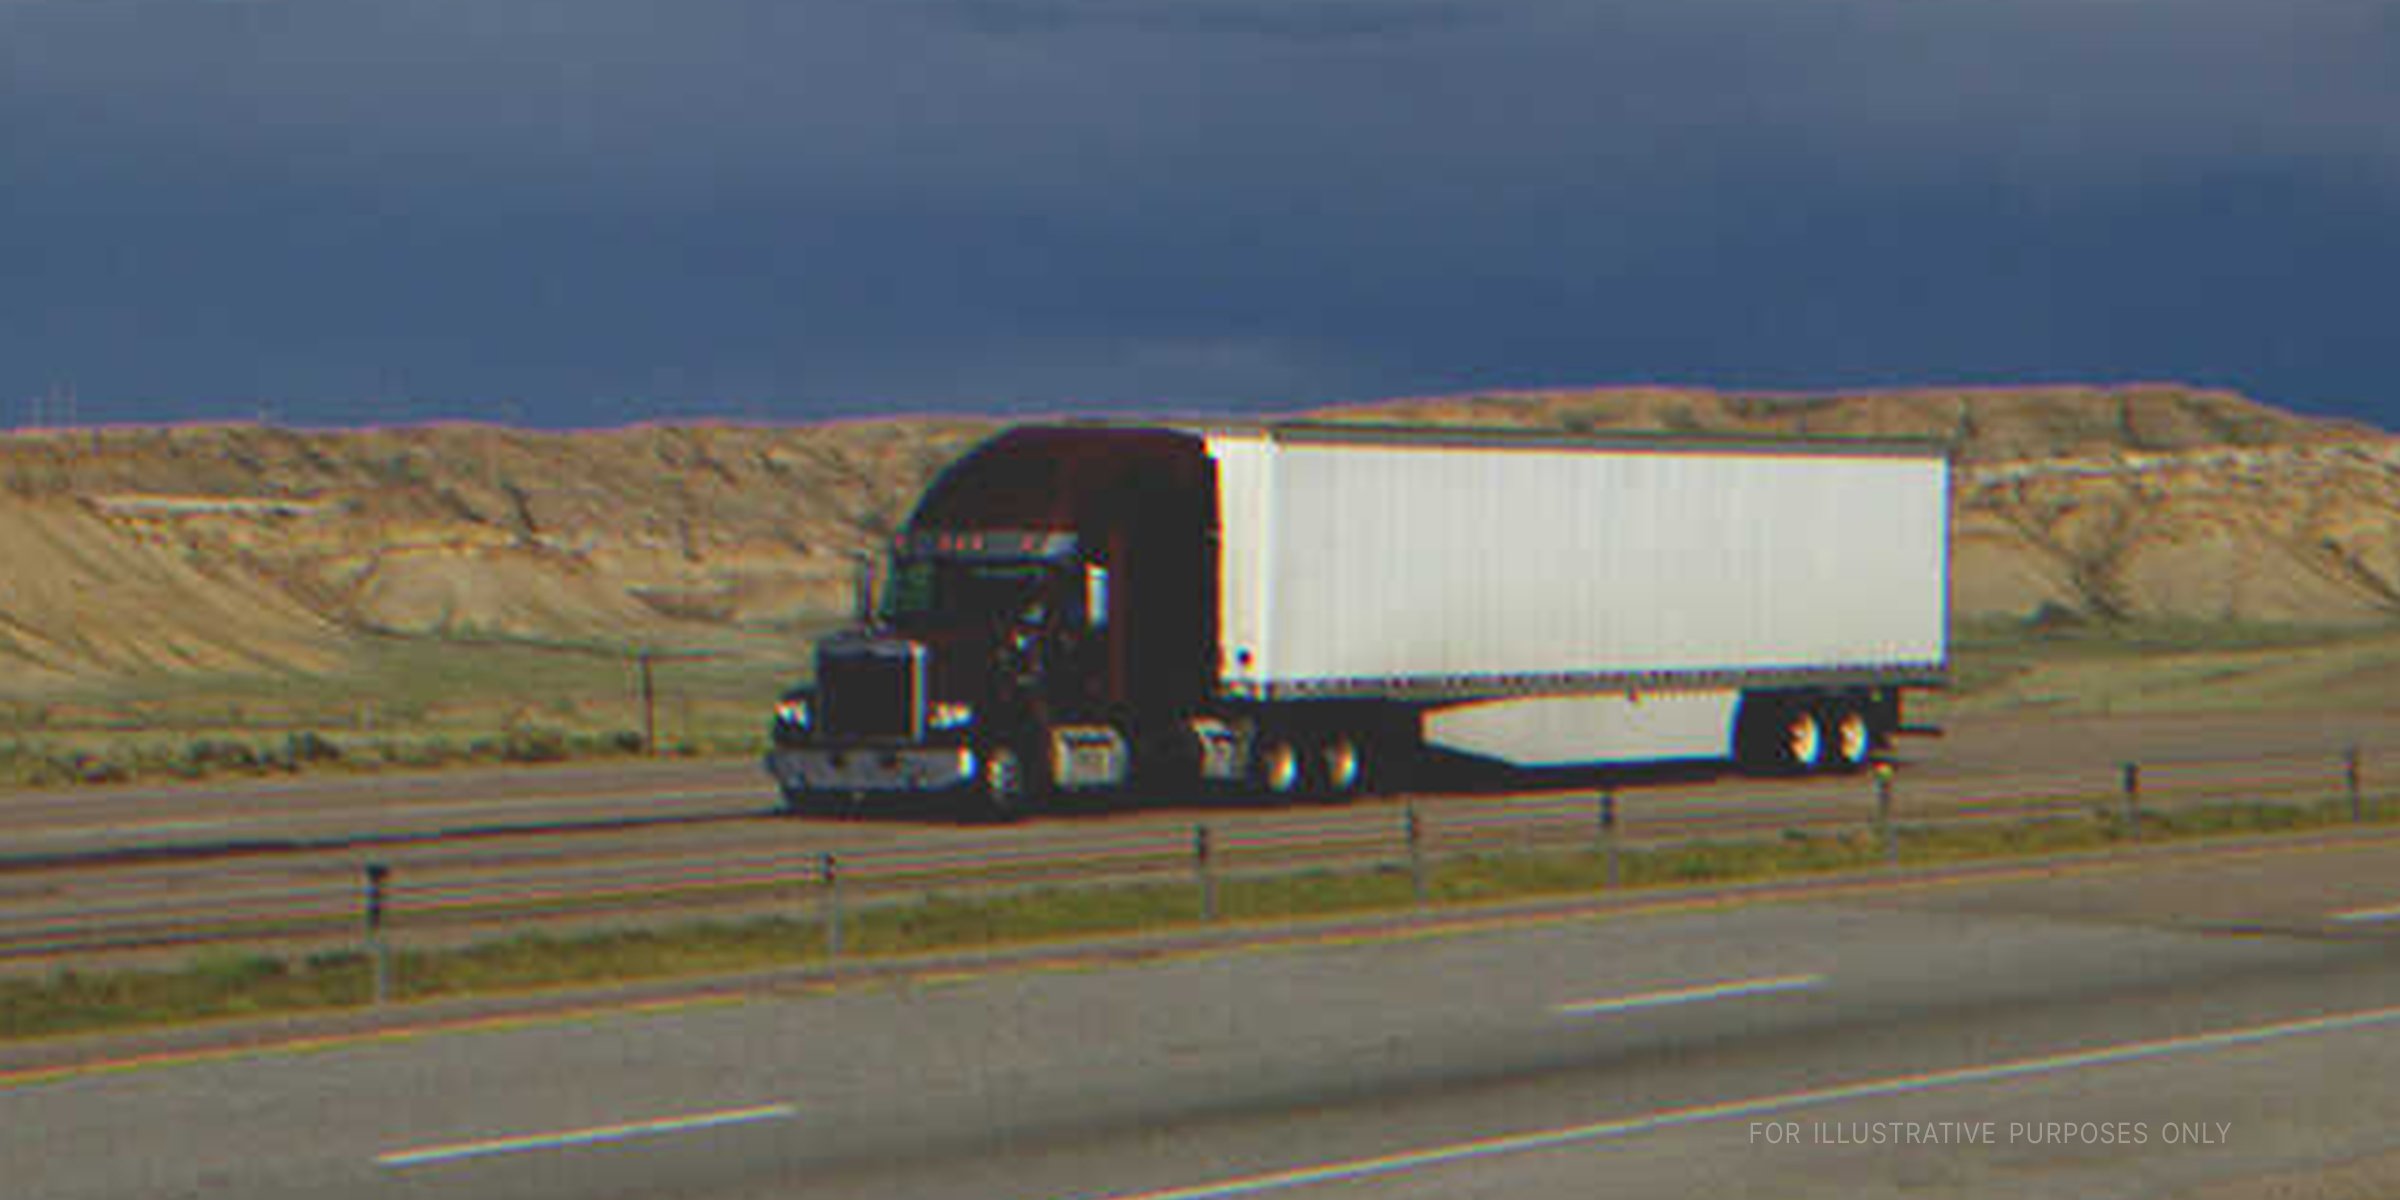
1007, 783
1341, 766
1800, 741
1777, 735
1849, 736
1281, 768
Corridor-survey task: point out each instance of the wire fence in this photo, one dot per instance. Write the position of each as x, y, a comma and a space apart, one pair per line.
324, 905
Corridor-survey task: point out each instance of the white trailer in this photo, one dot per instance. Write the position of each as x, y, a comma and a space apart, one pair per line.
1552, 600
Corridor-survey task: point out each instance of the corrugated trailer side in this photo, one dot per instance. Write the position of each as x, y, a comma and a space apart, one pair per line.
1377, 563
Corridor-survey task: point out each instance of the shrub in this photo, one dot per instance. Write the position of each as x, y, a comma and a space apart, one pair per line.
217, 754
531, 744
2053, 617
91, 768
309, 748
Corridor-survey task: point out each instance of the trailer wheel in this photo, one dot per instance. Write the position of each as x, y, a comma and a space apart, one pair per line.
1282, 770
1778, 735
1342, 766
1850, 738
1801, 744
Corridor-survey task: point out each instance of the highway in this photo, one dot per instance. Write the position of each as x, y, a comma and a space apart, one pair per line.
2200, 1028
166, 868
337, 811
334, 809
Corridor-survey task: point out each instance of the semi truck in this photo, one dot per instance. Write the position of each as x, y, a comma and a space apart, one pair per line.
1315, 610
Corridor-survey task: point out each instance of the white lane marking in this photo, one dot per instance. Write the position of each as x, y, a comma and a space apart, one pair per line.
1711, 991
2390, 912
582, 1137
1599, 1131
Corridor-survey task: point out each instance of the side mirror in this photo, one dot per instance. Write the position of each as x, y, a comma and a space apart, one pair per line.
1095, 597
862, 588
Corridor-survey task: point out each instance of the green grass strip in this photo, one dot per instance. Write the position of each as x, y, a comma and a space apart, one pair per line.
222, 984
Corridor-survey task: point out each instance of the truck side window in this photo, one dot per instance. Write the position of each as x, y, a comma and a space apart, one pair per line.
911, 589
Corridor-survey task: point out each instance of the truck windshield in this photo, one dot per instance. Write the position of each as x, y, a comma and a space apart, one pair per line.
929, 590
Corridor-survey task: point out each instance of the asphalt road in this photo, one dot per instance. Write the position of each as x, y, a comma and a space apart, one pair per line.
2127, 1031
330, 809
159, 867
337, 811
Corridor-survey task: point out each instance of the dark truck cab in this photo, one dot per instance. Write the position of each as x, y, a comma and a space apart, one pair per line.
1045, 624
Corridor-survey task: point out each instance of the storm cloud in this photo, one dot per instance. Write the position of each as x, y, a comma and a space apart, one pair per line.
606, 209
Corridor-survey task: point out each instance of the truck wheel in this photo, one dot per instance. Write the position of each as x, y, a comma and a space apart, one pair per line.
1849, 738
1004, 782
1281, 769
1342, 766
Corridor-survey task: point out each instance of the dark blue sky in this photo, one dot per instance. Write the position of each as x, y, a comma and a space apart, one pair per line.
593, 211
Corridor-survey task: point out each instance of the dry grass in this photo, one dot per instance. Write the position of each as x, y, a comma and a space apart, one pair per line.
2171, 667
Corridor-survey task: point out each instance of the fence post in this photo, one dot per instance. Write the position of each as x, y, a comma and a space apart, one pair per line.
1608, 834
2133, 801
830, 869
1415, 831
379, 951
1883, 815
2358, 804
1207, 878
649, 707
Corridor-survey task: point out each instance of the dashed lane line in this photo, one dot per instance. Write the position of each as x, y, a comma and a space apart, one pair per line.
592, 1136
1729, 990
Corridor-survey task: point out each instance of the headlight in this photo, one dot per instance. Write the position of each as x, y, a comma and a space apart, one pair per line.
949, 714
792, 712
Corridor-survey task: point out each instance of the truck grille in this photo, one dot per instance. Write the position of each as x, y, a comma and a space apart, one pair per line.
870, 692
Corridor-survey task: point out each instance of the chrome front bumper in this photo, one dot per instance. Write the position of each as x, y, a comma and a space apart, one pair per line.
869, 769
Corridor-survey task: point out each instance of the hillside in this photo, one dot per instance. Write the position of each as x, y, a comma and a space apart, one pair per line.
231, 545
1986, 425
134, 551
